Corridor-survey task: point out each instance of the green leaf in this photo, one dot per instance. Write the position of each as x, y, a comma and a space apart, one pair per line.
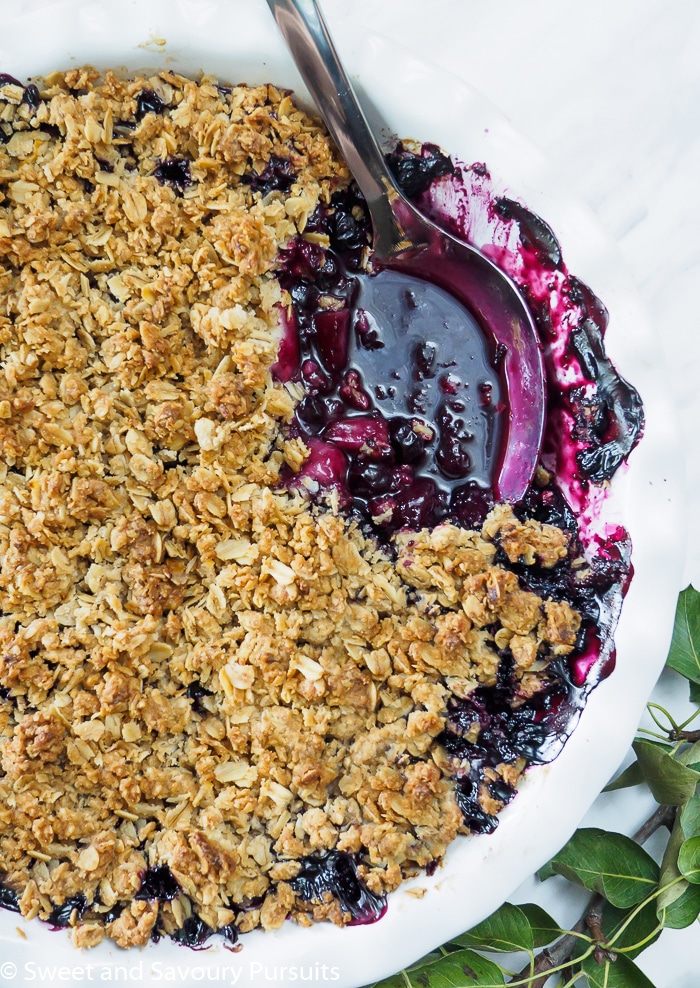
684, 909
507, 930
684, 653
621, 973
690, 817
689, 860
462, 969
691, 756
544, 928
609, 863
435, 955
629, 928
632, 776
395, 981
678, 904
670, 782
694, 693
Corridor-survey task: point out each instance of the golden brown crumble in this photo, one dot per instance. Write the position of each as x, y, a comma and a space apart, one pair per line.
146, 546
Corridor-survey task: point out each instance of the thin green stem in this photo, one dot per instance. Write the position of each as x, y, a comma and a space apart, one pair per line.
572, 980
641, 943
541, 977
652, 707
682, 727
653, 734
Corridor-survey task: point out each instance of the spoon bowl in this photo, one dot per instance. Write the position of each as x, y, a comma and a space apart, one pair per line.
406, 241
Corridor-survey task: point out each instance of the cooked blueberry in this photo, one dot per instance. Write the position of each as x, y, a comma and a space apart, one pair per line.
114, 913
31, 96
332, 329
415, 507
158, 883
302, 259
370, 479
353, 392
278, 174
9, 899
312, 413
469, 505
535, 234
196, 692
229, 933
174, 172
478, 821
314, 378
452, 458
415, 172
409, 445
500, 790
193, 932
148, 101
367, 335
61, 915
345, 231
336, 872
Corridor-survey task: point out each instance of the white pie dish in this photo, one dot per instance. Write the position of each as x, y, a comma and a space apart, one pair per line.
237, 41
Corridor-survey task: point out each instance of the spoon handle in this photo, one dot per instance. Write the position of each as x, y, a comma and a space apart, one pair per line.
305, 31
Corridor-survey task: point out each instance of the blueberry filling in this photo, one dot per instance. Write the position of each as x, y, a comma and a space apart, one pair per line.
405, 431
277, 175
196, 692
9, 899
9, 80
61, 915
174, 172
535, 234
194, 932
158, 883
148, 101
31, 96
414, 173
492, 726
336, 872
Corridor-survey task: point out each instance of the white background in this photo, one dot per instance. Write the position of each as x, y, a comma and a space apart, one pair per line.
610, 91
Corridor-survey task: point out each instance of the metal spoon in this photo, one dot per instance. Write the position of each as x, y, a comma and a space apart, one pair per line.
406, 241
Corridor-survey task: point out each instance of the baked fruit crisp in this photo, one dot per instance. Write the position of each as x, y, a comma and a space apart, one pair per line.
254, 664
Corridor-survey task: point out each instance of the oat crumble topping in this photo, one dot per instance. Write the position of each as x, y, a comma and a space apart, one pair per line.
199, 669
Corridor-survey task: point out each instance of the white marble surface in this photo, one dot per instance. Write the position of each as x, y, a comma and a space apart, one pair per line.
610, 91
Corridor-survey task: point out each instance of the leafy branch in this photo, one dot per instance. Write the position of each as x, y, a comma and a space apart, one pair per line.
634, 898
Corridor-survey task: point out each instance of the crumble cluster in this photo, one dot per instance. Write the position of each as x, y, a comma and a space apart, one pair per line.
199, 669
